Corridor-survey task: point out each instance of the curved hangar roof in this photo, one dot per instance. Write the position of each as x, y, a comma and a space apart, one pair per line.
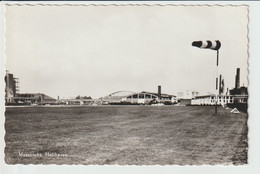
119, 95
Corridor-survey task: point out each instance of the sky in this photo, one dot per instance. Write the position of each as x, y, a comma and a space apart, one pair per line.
93, 51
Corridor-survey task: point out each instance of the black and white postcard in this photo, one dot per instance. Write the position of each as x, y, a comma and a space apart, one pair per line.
126, 84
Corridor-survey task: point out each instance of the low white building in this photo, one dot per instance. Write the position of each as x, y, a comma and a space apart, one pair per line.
212, 100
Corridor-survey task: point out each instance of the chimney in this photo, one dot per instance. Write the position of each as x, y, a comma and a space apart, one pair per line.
159, 92
237, 85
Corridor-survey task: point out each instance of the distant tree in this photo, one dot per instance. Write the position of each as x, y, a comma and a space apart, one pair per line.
84, 97
87, 97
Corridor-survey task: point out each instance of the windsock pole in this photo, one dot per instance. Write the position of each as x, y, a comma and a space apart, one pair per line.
213, 45
216, 103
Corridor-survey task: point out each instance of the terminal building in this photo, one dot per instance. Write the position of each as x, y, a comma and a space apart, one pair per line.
13, 97
11, 87
34, 98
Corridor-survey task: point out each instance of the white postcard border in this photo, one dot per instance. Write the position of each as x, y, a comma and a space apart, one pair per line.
253, 122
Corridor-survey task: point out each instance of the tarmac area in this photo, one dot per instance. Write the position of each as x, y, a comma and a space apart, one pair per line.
125, 135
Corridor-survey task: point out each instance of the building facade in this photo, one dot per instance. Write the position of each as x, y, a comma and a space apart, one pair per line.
150, 98
11, 87
13, 97
212, 100
188, 94
237, 98
139, 98
34, 98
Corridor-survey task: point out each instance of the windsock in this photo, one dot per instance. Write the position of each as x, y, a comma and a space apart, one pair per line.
214, 45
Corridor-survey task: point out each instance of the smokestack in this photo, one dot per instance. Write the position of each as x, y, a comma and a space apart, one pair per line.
159, 92
227, 92
237, 85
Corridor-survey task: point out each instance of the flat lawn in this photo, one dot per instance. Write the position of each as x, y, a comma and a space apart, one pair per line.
125, 135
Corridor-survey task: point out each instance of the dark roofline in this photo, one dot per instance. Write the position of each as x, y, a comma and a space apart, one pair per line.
213, 95
39, 94
210, 95
154, 93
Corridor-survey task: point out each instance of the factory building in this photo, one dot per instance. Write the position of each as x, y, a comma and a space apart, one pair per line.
240, 95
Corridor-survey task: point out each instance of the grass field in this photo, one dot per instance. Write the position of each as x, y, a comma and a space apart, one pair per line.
125, 135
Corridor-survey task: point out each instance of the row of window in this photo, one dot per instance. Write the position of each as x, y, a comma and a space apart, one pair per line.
213, 98
25, 95
146, 96
141, 96
220, 100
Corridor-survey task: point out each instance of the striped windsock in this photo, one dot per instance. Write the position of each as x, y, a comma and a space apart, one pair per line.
214, 45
